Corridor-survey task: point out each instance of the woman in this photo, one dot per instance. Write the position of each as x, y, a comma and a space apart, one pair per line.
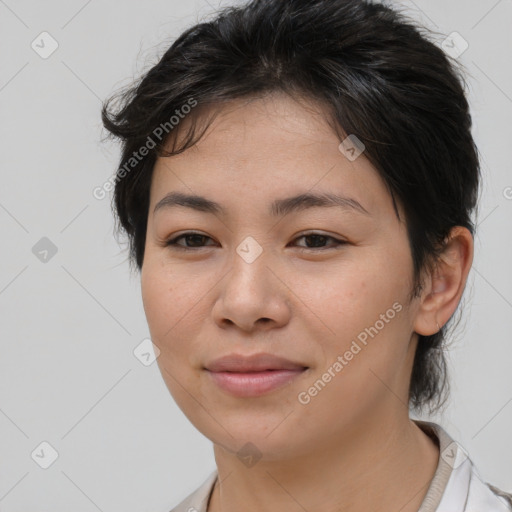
297, 182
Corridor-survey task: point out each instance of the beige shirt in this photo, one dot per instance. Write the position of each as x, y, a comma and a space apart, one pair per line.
455, 487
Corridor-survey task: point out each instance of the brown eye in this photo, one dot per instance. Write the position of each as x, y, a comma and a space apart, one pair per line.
318, 241
195, 239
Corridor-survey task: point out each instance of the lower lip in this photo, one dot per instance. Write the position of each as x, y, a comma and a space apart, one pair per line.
254, 383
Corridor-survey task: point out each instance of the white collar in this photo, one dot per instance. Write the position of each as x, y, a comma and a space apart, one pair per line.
456, 485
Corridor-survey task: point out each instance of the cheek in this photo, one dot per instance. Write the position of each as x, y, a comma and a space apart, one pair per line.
154, 297
166, 295
342, 302
173, 308
163, 309
364, 322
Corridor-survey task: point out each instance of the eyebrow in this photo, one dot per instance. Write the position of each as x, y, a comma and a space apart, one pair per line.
279, 207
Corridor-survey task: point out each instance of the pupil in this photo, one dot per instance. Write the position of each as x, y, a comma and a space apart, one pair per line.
195, 237
322, 237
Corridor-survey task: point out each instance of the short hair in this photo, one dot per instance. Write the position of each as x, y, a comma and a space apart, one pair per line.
380, 79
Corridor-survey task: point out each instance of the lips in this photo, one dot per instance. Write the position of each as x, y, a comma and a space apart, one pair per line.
253, 363
253, 376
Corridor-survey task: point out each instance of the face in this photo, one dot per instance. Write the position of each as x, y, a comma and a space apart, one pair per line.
323, 286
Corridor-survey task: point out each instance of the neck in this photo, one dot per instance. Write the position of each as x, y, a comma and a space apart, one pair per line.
376, 465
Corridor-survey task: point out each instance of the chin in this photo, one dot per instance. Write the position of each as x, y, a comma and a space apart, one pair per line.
267, 438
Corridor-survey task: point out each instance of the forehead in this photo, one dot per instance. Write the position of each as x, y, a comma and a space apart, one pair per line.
273, 147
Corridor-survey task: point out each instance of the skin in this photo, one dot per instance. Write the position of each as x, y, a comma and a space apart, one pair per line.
353, 447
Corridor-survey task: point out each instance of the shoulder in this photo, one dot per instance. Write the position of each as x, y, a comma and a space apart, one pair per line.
507, 496
197, 501
484, 496
457, 484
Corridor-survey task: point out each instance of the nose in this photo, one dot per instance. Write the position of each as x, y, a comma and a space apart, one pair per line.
252, 296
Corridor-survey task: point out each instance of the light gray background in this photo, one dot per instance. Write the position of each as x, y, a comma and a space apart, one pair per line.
69, 326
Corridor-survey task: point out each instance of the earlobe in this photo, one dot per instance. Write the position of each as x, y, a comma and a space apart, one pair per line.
446, 283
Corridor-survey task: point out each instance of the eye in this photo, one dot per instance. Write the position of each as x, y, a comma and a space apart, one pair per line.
197, 241
195, 237
318, 240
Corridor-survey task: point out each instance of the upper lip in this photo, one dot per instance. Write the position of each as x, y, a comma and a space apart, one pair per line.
252, 363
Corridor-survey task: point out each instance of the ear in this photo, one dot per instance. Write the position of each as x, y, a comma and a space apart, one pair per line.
444, 287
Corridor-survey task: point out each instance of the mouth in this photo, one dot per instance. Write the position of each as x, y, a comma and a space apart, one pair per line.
255, 375
254, 383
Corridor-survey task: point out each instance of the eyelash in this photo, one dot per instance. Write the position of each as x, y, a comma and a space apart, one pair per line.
174, 245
